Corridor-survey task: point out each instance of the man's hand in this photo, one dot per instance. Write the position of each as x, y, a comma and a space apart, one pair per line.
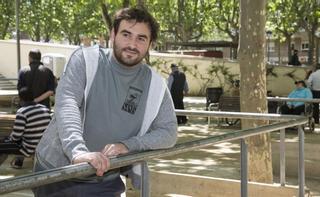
114, 149
96, 159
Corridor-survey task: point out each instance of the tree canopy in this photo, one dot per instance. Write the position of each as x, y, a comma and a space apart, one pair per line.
180, 20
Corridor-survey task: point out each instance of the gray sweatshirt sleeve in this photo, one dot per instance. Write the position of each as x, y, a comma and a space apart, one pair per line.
170, 81
69, 99
162, 132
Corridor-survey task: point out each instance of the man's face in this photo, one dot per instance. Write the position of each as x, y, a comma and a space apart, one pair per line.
299, 85
131, 43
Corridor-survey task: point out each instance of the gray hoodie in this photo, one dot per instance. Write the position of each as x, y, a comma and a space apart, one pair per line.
63, 140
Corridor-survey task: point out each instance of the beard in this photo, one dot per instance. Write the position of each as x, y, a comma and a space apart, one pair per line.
127, 56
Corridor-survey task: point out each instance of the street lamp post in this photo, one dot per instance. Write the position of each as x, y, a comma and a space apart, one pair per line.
18, 34
269, 34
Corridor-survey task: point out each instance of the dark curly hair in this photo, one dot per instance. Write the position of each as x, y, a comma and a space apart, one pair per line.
35, 55
139, 16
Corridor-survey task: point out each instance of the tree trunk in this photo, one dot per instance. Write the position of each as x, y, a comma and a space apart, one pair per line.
288, 40
126, 3
235, 39
311, 47
37, 32
279, 51
317, 50
106, 16
253, 89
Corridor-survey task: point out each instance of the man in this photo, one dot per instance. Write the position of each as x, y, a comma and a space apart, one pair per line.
31, 120
178, 87
296, 108
295, 59
38, 78
115, 106
314, 84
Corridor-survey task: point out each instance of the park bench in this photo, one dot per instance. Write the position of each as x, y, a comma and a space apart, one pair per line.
231, 104
6, 124
226, 103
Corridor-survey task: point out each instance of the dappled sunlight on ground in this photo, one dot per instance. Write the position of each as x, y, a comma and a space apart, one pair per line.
220, 160
217, 160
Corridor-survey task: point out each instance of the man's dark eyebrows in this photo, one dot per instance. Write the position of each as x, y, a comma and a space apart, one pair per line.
128, 32
143, 36
125, 31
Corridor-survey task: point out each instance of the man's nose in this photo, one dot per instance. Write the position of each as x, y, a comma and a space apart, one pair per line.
133, 42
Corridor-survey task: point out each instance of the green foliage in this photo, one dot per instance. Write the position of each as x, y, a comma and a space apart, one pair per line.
180, 20
225, 17
283, 16
80, 18
7, 17
38, 19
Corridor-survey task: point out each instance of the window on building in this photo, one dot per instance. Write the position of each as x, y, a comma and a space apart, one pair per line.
305, 46
292, 46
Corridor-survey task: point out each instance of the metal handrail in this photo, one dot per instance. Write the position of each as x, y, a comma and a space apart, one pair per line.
285, 99
241, 115
84, 169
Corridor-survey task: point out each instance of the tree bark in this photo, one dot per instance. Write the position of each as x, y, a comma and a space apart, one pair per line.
106, 16
311, 36
288, 40
317, 50
126, 3
253, 89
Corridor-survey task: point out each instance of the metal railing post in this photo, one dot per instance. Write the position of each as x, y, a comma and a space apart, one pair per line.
244, 168
301, 162
145, 189
282, 158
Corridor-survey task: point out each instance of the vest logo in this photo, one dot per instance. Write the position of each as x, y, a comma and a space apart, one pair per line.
132, 100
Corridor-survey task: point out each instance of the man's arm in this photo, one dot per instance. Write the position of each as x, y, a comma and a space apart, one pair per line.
186, 87
21, 81
309, 81
43, 96
69, 103
308, 93
170, 81
69, 98
162, 132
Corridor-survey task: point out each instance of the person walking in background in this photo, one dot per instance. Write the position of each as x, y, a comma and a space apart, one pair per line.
295, 107
38, 78
178, 86
108, 103
31, 120
295, 59
314, 84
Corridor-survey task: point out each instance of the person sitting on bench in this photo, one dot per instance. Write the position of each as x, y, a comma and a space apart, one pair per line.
297, 108
30, 122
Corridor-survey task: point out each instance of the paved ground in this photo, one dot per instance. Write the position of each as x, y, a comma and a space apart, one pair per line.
221, 160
